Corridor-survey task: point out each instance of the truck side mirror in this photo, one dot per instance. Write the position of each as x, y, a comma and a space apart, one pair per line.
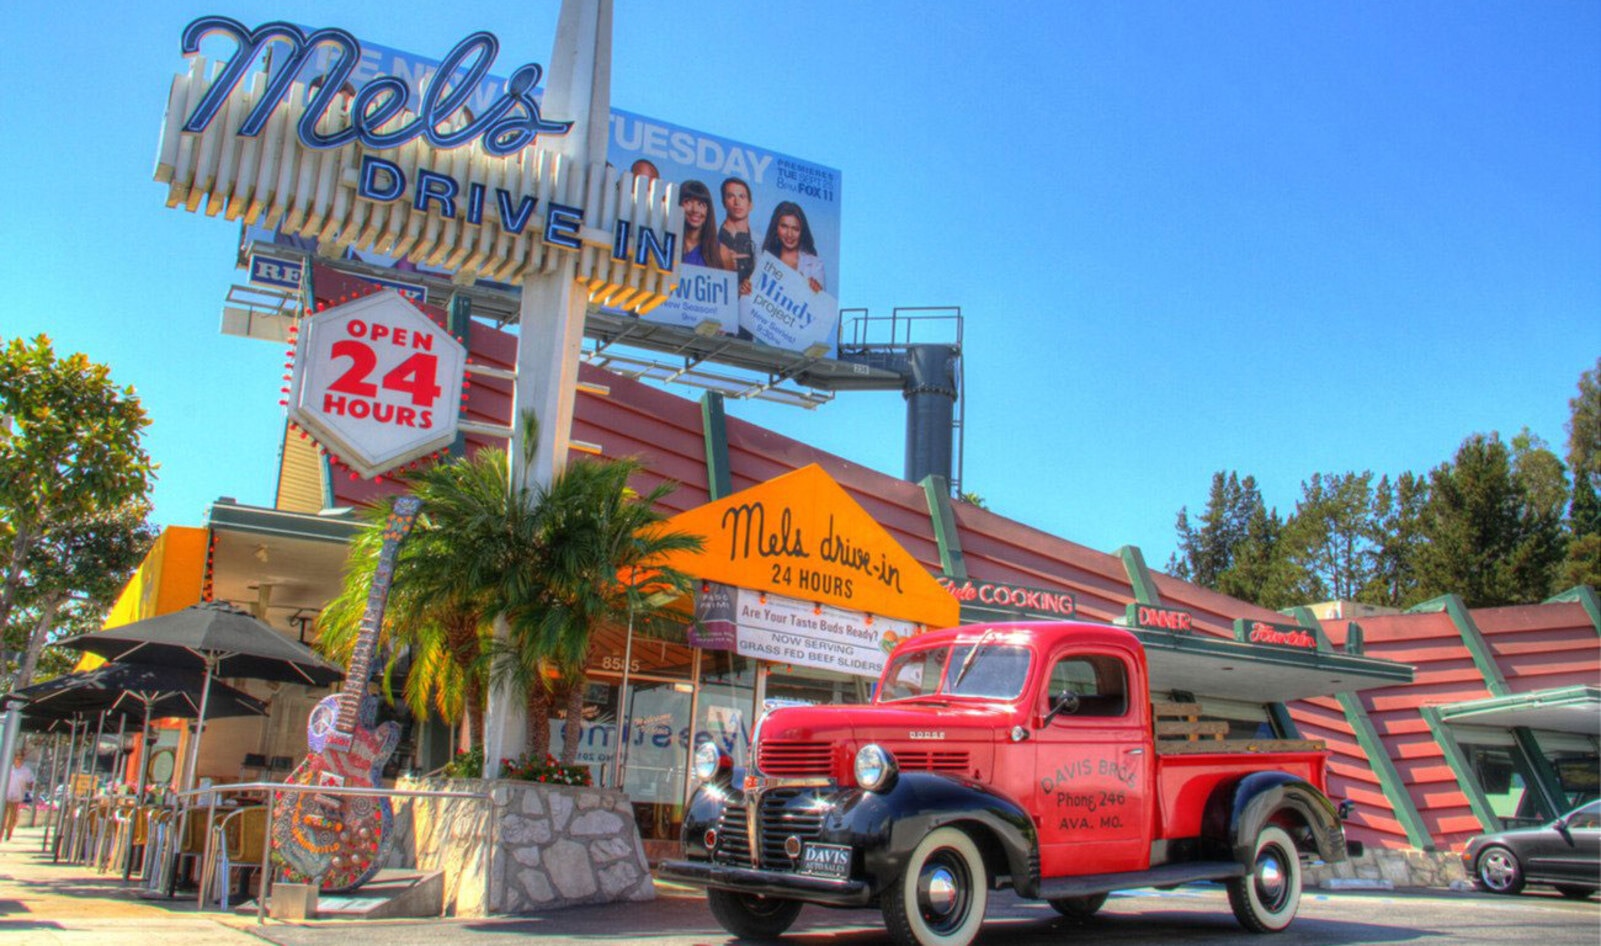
1066, 704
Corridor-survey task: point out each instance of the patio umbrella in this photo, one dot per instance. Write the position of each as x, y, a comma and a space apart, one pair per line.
217, 639
140, 691
145, 691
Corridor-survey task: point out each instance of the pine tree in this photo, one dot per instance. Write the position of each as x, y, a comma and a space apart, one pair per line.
1207, 551
1329, 541
1583, 563
1486, 539
1397, 525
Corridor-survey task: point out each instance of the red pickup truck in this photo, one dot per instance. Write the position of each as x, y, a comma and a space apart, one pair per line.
1028, 756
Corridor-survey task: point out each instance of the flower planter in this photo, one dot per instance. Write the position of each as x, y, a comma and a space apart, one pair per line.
548, 846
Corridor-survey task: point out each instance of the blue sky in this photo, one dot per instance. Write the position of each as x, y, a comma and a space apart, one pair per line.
1276, 237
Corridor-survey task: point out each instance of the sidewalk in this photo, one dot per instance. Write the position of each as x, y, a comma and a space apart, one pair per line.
47, 903
74, 905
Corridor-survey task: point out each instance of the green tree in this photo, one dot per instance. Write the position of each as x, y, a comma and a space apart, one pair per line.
1207, 550
1258, 571
553, 562
448, 583
73, 576
1486, 539
604, 545
1331, 542
69, 451
1397, 520
1582, 565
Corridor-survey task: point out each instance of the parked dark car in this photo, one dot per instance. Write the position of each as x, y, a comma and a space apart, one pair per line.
1565, 854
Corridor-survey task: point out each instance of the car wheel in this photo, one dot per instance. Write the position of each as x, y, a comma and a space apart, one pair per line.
940, 898
1499, 870
751, 917
1575, 893
1079, 907
1266, 898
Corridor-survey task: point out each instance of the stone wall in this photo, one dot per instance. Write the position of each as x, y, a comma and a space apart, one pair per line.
1388, 868
541, 847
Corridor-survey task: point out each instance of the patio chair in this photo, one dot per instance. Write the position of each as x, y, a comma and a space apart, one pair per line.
238, 840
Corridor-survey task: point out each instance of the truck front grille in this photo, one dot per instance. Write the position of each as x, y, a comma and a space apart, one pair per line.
792, 759
777, 757
784, 813
932, 761
733, 837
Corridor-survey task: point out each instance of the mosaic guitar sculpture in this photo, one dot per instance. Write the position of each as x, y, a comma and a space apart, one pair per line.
338, 841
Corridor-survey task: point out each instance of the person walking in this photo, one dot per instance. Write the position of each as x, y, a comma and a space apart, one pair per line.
18, 789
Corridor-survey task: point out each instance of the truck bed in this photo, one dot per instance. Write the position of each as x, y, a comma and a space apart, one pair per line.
1193, 757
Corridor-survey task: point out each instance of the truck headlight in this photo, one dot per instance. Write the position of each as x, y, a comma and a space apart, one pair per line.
710, 761
875, 768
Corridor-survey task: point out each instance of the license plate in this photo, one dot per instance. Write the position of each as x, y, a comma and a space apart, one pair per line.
826, 860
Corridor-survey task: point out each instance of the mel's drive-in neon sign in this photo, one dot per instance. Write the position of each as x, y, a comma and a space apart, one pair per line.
441, 176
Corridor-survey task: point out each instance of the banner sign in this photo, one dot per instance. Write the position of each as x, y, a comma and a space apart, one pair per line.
801, 535
377, 383
715, 616
660, 163
786, 630
1158, 618
280, 135
1292, 636
1016, 599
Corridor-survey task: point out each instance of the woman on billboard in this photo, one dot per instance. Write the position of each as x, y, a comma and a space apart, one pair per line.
789, 237
700, 227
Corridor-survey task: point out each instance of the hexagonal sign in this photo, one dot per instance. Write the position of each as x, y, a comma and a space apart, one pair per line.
377, 383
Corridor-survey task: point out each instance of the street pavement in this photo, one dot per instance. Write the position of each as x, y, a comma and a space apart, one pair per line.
46, 903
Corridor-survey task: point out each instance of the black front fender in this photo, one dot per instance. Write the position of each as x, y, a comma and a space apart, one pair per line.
1238, 811
887, 827
883, 828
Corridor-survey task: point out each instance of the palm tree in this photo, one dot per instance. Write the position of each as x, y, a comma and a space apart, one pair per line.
604, 541
447, 585
554, 563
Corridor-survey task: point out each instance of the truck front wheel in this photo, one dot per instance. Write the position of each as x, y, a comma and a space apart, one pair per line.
939, 900
752, 917
1266, 898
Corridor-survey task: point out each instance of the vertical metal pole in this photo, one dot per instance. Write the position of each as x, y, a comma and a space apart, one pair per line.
8, 741
139, 790
190, 777
119, 758
92, 762
624, 713
266, 878
66, 790
694, 719
52, 822
553, 306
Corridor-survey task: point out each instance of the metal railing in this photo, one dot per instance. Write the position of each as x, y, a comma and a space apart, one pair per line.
169, 860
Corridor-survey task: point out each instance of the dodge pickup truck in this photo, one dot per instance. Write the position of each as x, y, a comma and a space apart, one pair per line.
1029, 756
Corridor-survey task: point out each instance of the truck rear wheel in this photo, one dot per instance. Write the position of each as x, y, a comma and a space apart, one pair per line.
1079, 907
939, 900
752, 917
1266, 898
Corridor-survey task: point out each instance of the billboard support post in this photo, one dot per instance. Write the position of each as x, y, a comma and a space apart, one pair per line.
552, 311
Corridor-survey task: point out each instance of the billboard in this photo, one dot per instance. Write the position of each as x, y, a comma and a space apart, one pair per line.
759, 244
773, 275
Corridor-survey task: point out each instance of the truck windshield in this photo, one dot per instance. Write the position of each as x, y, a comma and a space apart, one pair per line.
914, 674
995, 670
